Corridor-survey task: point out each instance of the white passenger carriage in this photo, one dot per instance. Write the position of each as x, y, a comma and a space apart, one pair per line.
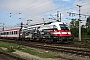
11, 33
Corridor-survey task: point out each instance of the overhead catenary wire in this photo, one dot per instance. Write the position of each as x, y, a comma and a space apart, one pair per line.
13, 13
57, 8
51, 10
34, 2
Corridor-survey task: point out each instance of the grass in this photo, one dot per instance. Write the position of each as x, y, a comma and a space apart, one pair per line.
83, 44
38, 52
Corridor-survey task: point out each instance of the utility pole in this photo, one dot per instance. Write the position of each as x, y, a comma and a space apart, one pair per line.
79, 19
60, 17
57, 15
2, 26
79, 23
21, 26
43, 20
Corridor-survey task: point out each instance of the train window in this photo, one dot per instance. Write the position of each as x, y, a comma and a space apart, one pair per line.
12, 32
15, 32
7, 33
64, 27
54, 27
1, 33
34, 28
25, 30
4, 33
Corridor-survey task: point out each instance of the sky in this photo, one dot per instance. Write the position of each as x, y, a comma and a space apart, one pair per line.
13, 12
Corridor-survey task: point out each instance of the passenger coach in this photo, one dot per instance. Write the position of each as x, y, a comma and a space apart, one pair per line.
11, 34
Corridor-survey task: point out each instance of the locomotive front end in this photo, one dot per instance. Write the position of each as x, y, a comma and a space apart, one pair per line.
61, 33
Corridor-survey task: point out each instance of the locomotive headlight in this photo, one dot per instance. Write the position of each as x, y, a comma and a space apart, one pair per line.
69, 32
25, 36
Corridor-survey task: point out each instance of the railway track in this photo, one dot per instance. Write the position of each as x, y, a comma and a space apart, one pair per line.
53, 48
63, 50
7, 56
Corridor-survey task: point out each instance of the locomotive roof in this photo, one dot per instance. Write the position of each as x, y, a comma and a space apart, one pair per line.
57, 23
10, 29
38, 25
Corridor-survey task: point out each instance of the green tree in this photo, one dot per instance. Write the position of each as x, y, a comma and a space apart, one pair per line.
74, 24
88, 22
85, 29
88, 27
83, 32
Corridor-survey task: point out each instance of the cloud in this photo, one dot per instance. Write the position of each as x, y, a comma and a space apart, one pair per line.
30, 9
66, 0
85, 6
62, 0
37, 9
85, 9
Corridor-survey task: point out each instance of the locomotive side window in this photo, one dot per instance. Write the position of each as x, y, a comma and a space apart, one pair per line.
12, 32
54, 27
64, 27
7, 33
2, 33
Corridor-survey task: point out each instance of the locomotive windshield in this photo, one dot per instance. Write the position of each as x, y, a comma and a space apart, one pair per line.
64, 27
